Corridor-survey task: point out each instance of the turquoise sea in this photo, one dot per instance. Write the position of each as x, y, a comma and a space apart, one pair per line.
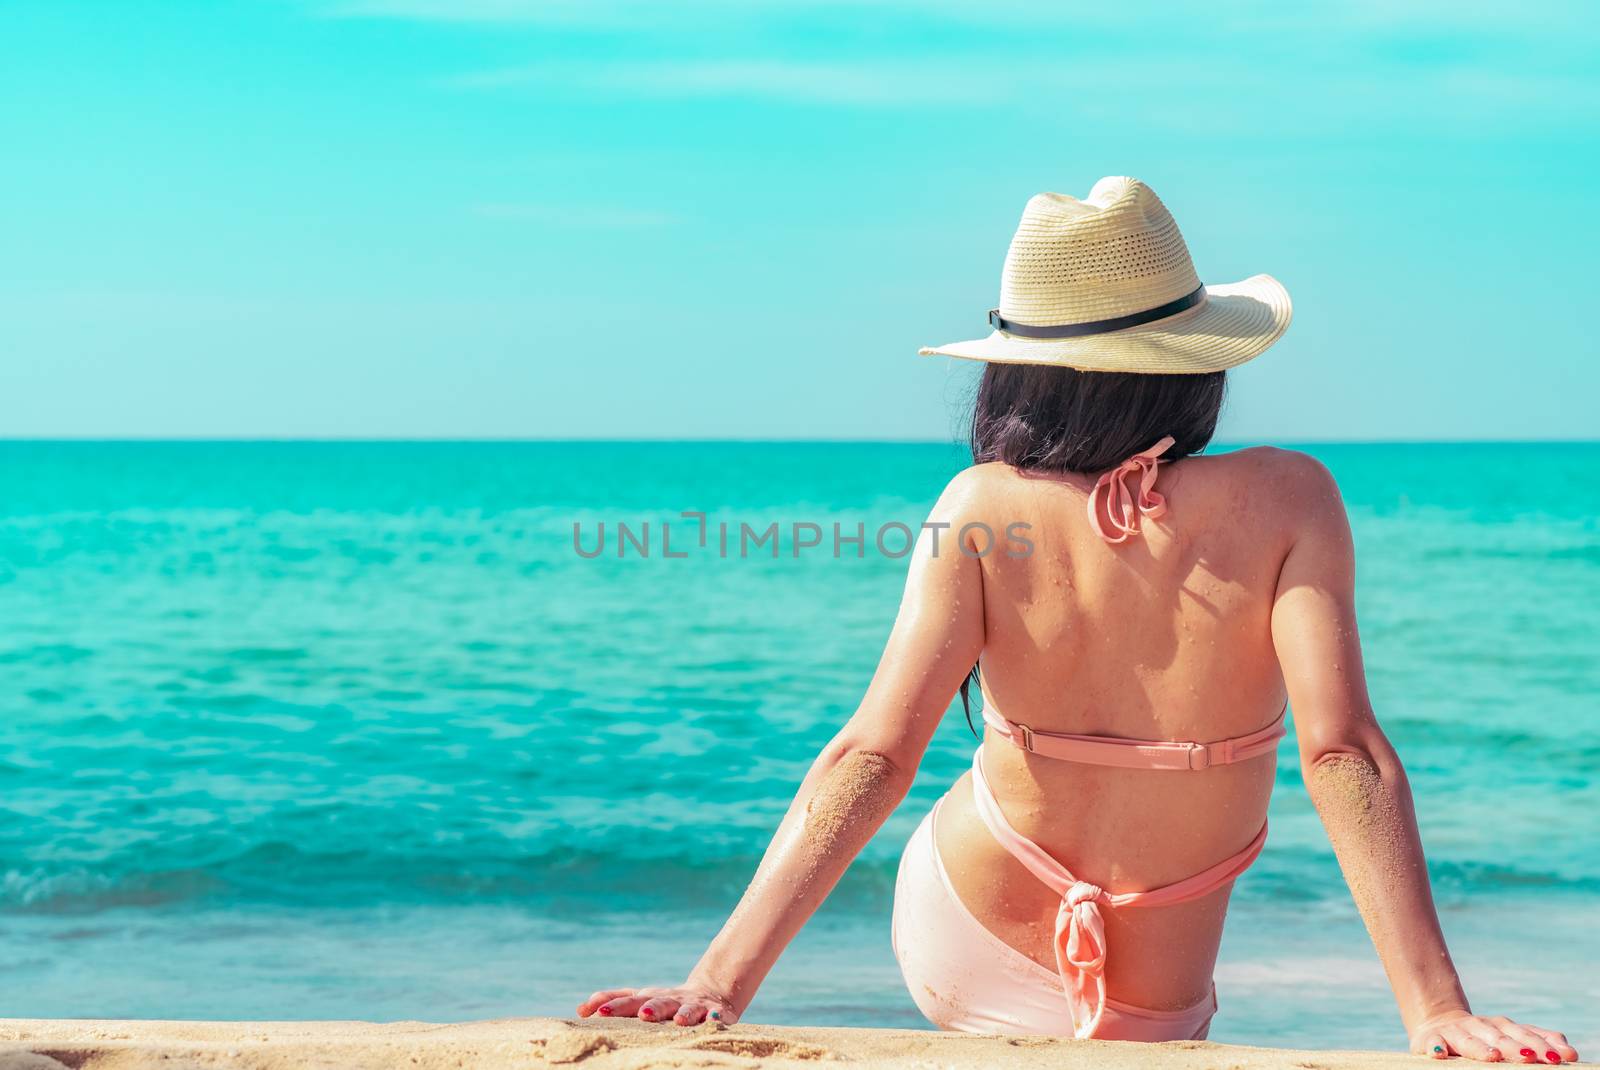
350, 730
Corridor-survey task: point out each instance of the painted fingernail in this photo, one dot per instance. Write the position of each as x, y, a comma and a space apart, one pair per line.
605, 1012
1438, 1049
1551, 1056
716, 1014
646, 1012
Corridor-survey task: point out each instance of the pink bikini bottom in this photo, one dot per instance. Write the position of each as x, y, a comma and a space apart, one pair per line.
963, 977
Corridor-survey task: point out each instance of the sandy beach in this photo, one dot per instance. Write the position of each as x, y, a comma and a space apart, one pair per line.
28, 1044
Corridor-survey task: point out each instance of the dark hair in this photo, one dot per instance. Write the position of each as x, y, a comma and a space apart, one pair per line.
1052, 419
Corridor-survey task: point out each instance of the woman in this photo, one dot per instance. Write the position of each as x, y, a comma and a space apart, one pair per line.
1137, 655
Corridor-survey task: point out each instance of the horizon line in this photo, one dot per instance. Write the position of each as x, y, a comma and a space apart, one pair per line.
710, 441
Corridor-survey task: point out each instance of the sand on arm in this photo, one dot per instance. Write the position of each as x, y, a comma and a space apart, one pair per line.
1365, 806
843, 802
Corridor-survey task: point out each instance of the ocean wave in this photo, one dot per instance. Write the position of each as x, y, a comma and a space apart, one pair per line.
86, 891
577, 881
282, 874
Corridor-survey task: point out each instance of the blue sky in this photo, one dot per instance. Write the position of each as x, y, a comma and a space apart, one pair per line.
608, 219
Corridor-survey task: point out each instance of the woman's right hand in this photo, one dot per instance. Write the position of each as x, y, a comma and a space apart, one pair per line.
1490, 1040
686, 1004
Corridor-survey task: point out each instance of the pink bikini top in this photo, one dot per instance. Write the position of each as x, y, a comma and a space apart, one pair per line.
1136, 753
1080, 938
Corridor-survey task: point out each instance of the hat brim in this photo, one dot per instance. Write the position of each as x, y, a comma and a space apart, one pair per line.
1236, 322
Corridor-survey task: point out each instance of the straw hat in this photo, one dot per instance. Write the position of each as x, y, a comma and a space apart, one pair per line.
1106, 284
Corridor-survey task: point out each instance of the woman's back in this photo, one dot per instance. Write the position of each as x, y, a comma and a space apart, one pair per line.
1166, 635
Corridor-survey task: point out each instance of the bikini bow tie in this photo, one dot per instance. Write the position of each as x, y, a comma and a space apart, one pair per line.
1081, 953
1124, 507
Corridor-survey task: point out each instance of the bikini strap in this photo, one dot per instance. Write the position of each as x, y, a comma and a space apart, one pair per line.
1136, 753
1124, 506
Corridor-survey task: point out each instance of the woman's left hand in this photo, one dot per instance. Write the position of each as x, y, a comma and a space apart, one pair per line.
688, 1004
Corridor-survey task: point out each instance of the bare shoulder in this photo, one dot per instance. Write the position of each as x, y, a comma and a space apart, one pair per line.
969, 497
973, 490
1300, 489
1287, 471
976, 502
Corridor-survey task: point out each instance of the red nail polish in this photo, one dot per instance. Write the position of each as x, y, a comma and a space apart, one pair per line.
1552, 1057
605, 1012
646, 1012
1527, 1053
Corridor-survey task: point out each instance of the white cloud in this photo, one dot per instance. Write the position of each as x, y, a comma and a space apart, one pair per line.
1239, 67
1172, 18
635, 14
1190, 94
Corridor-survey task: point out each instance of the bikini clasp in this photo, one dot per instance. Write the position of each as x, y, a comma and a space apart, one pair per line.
1027, 736
1199, 756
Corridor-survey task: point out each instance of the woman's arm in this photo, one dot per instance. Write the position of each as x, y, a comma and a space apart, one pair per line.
1360, 791
854, 785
